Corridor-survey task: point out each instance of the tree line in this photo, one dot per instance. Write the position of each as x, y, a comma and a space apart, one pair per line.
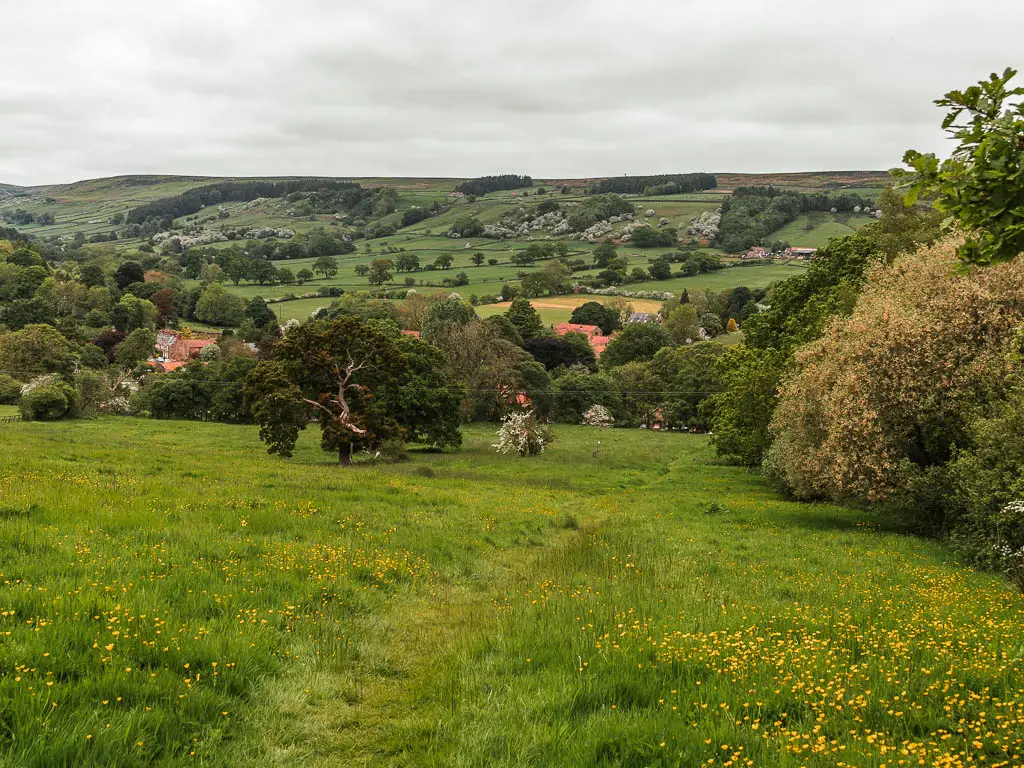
663, 184
194, 200
484, 184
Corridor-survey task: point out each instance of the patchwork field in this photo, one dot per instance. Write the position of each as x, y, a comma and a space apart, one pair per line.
170, 594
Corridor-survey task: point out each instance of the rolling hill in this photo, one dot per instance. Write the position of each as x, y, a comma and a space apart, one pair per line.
96, 210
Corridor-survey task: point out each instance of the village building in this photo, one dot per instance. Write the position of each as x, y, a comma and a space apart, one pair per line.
598, 342
801, 253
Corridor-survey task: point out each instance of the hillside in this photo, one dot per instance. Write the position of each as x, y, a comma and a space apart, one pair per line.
7, 190
410, 216
87, 206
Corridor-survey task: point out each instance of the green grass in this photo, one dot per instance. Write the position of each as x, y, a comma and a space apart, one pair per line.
759, 276
814, 230
169, 594
9, 410
548, 315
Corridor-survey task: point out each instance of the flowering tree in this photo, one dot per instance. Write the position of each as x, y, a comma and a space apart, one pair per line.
523, 433
890, 390
598, 416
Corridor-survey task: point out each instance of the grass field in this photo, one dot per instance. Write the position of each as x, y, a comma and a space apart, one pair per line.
172, 595
814, 230
731, 277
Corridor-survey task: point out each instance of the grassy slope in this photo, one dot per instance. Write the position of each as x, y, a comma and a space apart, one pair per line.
814, 230
648, 608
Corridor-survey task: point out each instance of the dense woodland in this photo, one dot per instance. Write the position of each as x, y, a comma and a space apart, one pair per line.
664, 184
485, 184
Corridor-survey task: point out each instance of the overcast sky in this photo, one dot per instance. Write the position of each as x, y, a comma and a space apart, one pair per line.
552, 88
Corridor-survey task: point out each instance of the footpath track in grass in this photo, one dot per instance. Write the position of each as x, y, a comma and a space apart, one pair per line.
171, 595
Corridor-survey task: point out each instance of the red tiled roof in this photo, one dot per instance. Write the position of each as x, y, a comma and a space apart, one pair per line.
414, 334
587, 330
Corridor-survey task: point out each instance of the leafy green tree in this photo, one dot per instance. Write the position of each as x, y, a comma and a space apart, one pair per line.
36, 350
363, 381
682, 323
603, 255
477, 259
576, 390
285, 275
326, 265
467, 226
524, 317
503, 329
660, 269
648, 237
523, 258
92, 275
362, 270
552, 279
262, 271
10, 389
380, 271
691, 373
636, 342
238, 267
218, 307
259, 312
137, 346
981, 185
131, 312
407, 262
200, 391
444, 317
643, 393
596, 313
712, 324
741, 413
444, 261
48, 402
303, 275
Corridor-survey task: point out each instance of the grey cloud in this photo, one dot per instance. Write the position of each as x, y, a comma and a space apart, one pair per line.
454, 87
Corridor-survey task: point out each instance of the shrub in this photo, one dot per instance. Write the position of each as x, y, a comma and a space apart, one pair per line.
523, 433
10, 389
598, 416
48, 402
392, 452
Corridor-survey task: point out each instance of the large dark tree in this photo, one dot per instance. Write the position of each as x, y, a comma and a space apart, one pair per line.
596, 313
561, 351
362, 381
128, 273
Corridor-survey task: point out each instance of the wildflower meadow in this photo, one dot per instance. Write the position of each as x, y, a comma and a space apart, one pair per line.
171, 595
